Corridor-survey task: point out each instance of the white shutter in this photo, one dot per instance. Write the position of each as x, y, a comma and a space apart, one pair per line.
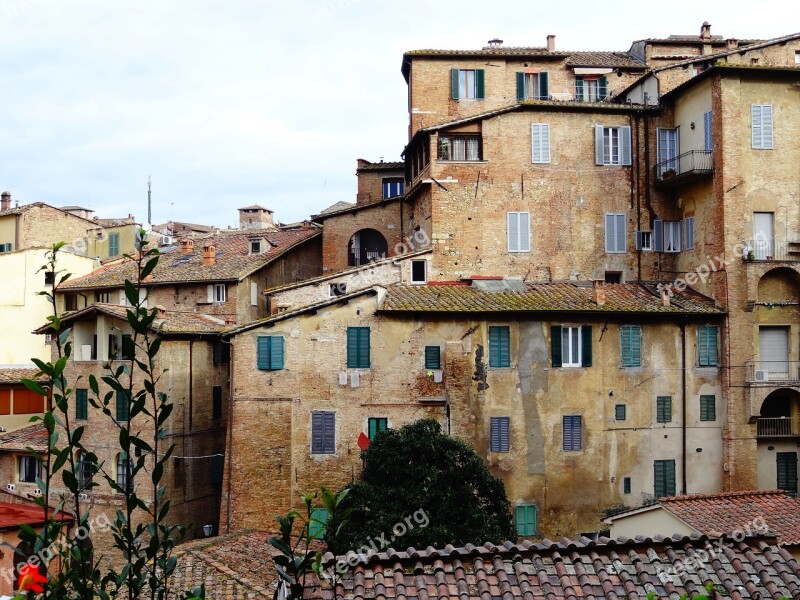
513, 231
524, 232
625, 144
210, 290
755, 126
598, 145
540, 143
766, 126
620, 237
253, 293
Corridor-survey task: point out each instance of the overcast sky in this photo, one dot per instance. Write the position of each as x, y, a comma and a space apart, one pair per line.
230, 103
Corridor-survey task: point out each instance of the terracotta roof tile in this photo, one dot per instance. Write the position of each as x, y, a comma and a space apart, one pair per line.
17, 374
337, 207
233, 260
31, 436
600, 58
382, 166
542, 297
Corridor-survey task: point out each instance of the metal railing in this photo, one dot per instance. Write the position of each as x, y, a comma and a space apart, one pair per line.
691, 162
763, 249
774, 427
773, 371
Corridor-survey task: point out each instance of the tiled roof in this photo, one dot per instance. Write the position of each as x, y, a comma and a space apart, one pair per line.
353, 208
604, 59
381, 166
17, 374
31, 436
14, 514
233, 261
599, 58
337, 207
256, 207
26, 207
571, 297
582, 569
722, 514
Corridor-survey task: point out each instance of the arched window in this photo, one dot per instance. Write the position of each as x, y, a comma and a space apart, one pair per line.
85, 470
365, 246
124, 472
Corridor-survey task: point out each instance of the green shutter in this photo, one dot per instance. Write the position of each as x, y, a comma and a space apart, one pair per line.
664, 476
787, 471
664, 409
375, 425
358, 348
708, 410
520, 87
579, 88
555, 345
707, 349
454, 84
81, 403
619, 412
262, 352
433, 359
543, 87
525, 518
602, 88
586, 346
499, 346
123, 406
631, 345
276, 352
626, 485
318, 523
479, 85
113, 244
363, 348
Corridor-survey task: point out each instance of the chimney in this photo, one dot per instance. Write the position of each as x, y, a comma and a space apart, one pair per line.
551, 43
599, 292
705, 30
161, 312
209, 255
5, 201
187, 246
732, 44
665, 294
494, 43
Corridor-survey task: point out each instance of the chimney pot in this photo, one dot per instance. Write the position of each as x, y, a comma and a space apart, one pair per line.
551, 43
705, 30
209, 255
732, 44
187, 246
599, 292
495, 42
5, 201
665, 301
161, 311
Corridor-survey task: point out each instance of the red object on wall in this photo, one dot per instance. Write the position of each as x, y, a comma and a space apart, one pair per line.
363, 441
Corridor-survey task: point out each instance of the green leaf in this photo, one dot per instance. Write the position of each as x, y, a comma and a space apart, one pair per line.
130, 293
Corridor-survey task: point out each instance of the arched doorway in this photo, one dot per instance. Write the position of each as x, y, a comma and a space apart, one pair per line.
778, 433
365, 246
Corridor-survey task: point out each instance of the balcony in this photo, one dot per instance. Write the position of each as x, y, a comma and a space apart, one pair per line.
689, 166
778, 427
773, 372
772, 250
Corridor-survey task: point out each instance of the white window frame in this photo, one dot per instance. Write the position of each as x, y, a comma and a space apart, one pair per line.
467, 90
255, 246
540, 132
761, 134
672, 236
411, 269
610, 144
645, 235
570, 345
220, 293
613, 248
522, 243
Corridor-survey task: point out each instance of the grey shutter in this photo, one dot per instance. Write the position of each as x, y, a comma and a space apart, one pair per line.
329, 432
625, 145
598, 145
579, 88
707, 140
638, 240
689, 233
766, 126
499, 434
540, 143
610, 234
658, 235
619, 234
513, 231
524, 232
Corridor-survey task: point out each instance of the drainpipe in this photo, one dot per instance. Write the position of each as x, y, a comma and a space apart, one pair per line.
191, 379
683, 407
230, 438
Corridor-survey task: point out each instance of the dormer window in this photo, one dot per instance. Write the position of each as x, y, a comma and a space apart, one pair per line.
590, 88
255, 246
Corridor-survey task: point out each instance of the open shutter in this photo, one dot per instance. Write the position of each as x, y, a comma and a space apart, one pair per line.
579, 88
766, 126
479, 85
520, 87
638, 240
513, 231
689, 221
602, 88
555, 345
454, 84
625, 144
586, 346
543, 86
658, 235
276, 352
625, 334
524, 232
598, 145
210, 294
707, 140
610, 237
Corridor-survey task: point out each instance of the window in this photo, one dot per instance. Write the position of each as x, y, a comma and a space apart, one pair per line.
626, 485
113, 244
663, 409
689, 222
526, 519
672, 236
222, 352
708, 143
5, 247
393, 187
128, 347
540, 143
612, 145
81, 403
433, 357
270, 353
616, 241
255, 246
467, 84
499, 346
253, 293
102, 297
761, 126
216, 402
318, 523
519, 231
358, 348
620, 411
30, 469
612, 276
708, 408
123, 406
125, 472
668, 151
49, 277
631, 345
571, 346
337, 289
375, 425
323, 432
644, 240
460, 147
590, 89
419, 271
787, 471
664, 477
71, 302
572, 432
84, 469
498, 434
532, 86
707, 346
797, 57
219, 293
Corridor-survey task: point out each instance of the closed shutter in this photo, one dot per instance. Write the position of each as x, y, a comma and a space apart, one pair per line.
217, 469
626, 485
664, 476
707, 345
572, 432
658, 235
123, 406
616, 236
113, 244
525, 517
544, 91
318, 523
631, 341
586, 346
499, 434
707, 140
555, 346
81, 403
689, 222
454, 84
664, 409
520, 87
540, 143
276, 352
358, 350
787, 471
625, 145
524, 232
599, 150
263, 352
253, 293
323, 432
479, 84
513, 231
433, 358
761, 126
375, 425
499, 346
708, 409
620, 412
602, 88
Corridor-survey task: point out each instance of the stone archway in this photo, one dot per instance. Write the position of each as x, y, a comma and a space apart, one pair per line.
365, 246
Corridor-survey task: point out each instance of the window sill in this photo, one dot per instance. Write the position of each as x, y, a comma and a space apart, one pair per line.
461, 162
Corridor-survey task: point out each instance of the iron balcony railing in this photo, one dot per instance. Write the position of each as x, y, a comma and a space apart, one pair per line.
693, 162
776, 427
773, 371
764, 249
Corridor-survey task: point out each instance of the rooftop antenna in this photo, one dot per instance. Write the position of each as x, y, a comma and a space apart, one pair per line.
149, 217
